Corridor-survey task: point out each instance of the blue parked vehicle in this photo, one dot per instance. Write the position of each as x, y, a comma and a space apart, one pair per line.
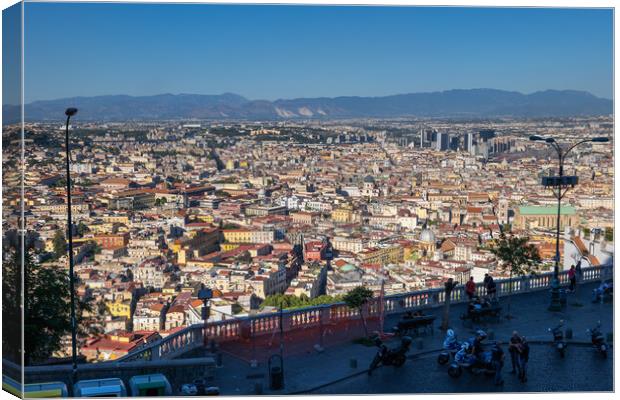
451, 346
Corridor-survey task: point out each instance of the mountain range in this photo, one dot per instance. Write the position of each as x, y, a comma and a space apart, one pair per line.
457, 103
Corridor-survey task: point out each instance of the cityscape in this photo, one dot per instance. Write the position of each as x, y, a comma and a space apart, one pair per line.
217, 243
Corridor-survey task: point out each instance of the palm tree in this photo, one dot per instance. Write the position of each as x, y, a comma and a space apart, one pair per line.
449, 285
517, 255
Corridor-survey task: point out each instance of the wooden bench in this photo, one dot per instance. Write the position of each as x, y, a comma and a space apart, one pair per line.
413, 324
476, 315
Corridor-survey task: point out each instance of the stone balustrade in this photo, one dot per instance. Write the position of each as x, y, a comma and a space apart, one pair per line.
245, 328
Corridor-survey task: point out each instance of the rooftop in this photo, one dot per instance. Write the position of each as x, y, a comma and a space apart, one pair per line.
546, 210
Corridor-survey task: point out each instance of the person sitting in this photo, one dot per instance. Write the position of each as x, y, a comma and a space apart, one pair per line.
477, 345
604, 288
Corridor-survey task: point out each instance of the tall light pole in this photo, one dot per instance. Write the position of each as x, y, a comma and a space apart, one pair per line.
69, 113
562, 183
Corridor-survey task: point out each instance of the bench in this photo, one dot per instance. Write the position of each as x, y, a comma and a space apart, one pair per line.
476, 315
414, 324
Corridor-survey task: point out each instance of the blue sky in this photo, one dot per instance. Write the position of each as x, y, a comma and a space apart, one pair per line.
270, 52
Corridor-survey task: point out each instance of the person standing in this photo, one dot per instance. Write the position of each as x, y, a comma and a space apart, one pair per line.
470, 288
573, 279
524, 357
578, 272
514, 350
497, 359
491, 288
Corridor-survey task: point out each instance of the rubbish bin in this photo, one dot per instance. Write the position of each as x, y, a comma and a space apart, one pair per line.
562, 296
276, 372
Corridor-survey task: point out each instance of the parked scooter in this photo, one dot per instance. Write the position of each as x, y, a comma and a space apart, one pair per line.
451, 346
396, 356
476, 364
558, 338
598, 340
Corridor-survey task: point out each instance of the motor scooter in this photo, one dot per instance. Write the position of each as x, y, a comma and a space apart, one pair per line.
395, 356
558, 339
451, 346
598, 340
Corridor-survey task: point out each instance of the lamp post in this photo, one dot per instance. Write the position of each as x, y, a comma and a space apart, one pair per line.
563, 183
69, 112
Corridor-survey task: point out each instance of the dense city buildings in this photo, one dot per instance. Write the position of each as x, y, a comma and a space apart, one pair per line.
302, 208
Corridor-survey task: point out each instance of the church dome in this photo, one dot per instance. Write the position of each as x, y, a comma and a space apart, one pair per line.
369, 179
427, 236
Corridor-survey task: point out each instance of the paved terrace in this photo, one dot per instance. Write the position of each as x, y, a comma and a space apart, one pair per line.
331, 372
320, 356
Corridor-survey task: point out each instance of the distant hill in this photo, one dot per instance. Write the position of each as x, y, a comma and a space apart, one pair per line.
474, 103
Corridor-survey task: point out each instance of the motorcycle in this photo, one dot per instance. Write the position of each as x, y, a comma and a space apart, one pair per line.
558, 339
475, 361
598, 340
396, 356
475, 364
451, 346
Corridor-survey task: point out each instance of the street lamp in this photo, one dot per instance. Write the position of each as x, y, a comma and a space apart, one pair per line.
69, 112
562, 183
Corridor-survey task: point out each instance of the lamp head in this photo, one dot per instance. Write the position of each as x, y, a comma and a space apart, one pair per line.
535, 138
600, 139
69, 112
550, 140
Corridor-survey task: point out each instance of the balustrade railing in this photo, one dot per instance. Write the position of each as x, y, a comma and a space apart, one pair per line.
245, 328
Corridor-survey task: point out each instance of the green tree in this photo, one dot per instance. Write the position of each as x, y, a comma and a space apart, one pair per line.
357, 299
517, 255
81, 229
46, 306
60, 244
609, 234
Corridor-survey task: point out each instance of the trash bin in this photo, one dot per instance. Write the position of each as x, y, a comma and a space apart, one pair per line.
562, 296
276, 372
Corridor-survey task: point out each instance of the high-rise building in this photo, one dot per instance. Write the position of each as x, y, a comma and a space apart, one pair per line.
443, 141
469, 142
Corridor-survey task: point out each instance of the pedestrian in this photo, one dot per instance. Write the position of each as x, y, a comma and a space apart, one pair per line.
524, 357
485, 282
470, 288
578, 271
491, 288
514, 349
497, 359
572, 278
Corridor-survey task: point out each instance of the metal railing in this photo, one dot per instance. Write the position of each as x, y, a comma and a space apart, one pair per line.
245, 328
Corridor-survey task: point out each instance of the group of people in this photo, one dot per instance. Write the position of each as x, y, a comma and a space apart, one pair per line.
519, 351
489, 285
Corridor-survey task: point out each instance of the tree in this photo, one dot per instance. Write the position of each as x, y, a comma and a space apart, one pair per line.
357, 299
60, 244
609, 234
81, 229
46, 306
449, 286
517, 255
